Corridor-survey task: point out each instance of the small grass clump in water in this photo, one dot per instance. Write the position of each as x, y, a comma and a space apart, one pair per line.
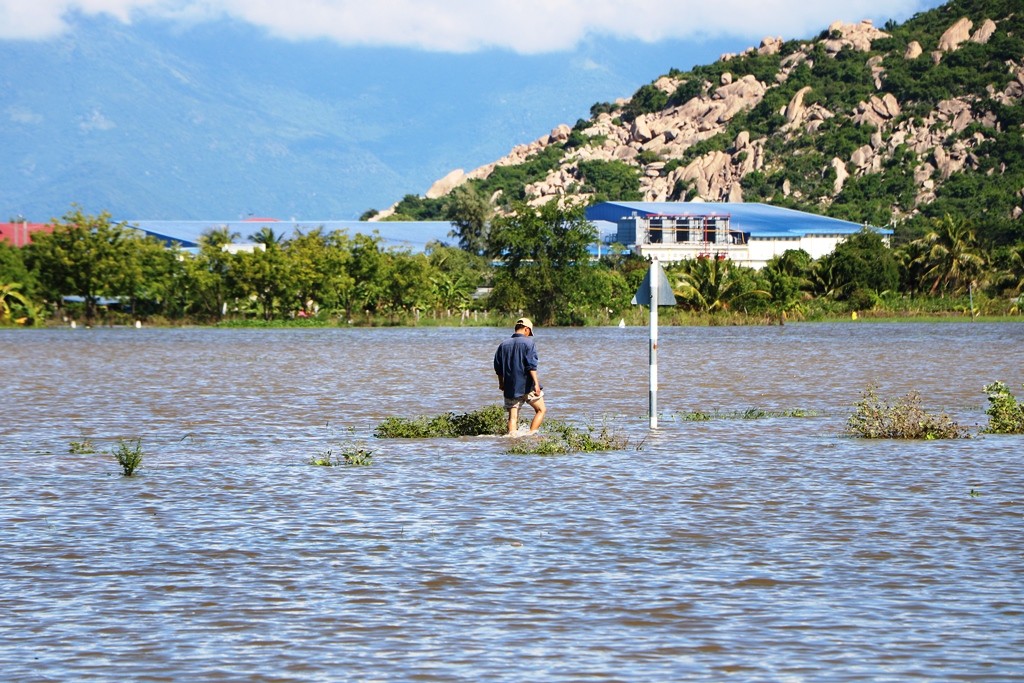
83, 447
559, 438
352, 454
129, 455
875, 419
489, 421
1005, 415
749, 414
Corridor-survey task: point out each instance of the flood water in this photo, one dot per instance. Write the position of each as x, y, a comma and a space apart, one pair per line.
772, 549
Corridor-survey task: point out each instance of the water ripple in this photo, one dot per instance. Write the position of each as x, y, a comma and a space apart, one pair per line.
763, 549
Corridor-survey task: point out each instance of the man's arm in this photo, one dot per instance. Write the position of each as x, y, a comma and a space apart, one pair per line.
498, 369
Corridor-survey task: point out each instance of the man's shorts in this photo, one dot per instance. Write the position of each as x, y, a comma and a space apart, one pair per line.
529, 398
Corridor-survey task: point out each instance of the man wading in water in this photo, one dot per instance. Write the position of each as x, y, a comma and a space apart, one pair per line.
515, 363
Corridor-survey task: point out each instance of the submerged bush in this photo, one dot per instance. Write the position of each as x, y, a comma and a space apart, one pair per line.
83, 447
559, 438
875, 419
350, 454
748, 414
1005, 415
492, 421
129, 455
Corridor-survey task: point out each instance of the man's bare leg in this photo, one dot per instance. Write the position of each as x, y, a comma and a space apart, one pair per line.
513, 420
538, 417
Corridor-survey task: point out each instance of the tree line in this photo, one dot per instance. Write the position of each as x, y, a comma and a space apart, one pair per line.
539, 261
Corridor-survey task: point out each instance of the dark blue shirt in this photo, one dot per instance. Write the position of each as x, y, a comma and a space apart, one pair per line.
513, 361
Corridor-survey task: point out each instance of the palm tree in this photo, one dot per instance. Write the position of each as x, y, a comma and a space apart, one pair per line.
214, 263
712, 284
952, 259
9, 293
267, 237
824, 280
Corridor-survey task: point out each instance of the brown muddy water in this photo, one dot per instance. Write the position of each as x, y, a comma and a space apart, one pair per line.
771, 549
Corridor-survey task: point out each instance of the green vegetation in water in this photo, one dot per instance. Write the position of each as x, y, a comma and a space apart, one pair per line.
350, 454
748, 414
559, 438
904, 419
1005, 414
129, 455
489, 421
83, 447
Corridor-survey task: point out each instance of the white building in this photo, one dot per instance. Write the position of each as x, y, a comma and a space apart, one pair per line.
747, 234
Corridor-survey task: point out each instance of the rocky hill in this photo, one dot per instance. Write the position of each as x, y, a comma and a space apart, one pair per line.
879, 125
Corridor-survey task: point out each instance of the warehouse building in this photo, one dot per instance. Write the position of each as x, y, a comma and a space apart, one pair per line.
747, 234
411, 235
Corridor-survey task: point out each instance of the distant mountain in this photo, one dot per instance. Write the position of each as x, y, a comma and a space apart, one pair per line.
222, 121
880, 125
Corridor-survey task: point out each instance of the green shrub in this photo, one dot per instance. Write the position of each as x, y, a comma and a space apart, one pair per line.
129, 455
1005, 415
875, 419
492, 420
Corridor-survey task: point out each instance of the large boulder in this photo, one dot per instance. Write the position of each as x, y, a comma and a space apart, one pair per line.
446, 184
856, 36
956, 34
770, 45
877, 111
795, 108
558, 134
841, 175
861, 157
984, 32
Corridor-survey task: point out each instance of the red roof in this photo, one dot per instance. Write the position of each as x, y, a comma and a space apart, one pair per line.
20, 234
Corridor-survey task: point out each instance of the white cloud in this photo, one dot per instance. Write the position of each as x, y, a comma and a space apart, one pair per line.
23, 115
526, 26
96, 120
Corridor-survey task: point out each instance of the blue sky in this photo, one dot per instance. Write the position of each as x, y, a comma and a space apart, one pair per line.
423, 86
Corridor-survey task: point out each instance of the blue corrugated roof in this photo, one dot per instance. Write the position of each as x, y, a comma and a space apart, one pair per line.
413, 235
760, 220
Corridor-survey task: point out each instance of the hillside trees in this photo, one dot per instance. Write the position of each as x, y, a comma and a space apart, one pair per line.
645, 100
610, 181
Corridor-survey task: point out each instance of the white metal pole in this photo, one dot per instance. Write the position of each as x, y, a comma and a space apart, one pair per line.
653, 409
